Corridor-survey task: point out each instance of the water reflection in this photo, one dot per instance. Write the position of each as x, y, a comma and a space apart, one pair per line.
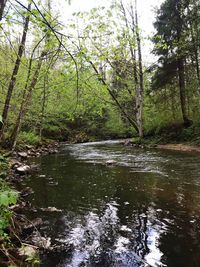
103, 240
142, 211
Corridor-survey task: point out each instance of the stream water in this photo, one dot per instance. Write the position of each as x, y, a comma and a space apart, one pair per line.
142, 211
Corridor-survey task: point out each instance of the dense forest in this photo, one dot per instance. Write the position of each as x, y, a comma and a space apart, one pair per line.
88, 79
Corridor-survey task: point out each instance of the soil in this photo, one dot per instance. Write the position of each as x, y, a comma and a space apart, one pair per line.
180, 147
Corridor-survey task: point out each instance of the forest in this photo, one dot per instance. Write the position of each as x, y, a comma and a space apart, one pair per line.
88, 80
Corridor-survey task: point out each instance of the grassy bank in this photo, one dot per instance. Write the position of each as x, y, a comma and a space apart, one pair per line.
175, 134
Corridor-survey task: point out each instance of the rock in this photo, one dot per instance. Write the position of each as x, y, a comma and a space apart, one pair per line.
15, 163
33, 224
51, 209
41, 242
111, 162
29, 146
23, 169
23, 154
27, 191
30, 153
42, 175
34, 167
28, 251
127, 143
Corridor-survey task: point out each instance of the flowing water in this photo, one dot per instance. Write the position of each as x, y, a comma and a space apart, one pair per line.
144, 210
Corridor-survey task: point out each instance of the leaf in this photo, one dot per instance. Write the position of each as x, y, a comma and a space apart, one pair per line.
8, 197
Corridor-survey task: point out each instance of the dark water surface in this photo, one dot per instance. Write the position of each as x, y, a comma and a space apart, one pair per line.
143, 211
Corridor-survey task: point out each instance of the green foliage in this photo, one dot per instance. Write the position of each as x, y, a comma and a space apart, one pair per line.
30, 138
1, 119
7, 197
62, 108
3, 166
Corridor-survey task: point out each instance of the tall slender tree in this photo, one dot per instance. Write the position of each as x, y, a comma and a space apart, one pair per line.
170, 45
15, 71
2, 7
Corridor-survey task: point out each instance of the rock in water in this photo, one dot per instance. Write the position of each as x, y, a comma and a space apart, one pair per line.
111, 162
127, 143
23, 169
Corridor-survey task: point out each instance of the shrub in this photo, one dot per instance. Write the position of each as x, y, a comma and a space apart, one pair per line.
8, 197
29, 138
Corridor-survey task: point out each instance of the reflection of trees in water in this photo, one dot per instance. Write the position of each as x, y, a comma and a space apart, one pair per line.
101, 241
141, 247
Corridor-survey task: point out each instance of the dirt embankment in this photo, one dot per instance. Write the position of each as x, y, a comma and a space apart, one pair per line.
180, 147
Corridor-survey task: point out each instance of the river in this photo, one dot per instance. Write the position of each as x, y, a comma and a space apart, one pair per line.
144, 210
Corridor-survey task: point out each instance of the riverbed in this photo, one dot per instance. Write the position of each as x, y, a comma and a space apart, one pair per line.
142, 210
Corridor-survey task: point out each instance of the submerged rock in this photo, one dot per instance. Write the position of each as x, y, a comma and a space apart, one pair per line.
51, 209
111, 162
128, 143
27, 191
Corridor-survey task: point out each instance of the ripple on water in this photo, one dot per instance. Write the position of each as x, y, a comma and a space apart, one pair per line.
141, 211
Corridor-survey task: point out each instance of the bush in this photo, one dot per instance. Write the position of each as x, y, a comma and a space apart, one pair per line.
29, 138
8, 197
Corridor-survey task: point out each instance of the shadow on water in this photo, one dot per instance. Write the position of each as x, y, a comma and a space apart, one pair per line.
142, 211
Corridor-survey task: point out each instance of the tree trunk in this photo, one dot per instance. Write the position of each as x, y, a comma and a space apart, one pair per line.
2, 7
14, 74
43, 105
196, 54
141, 79
25, 101
181, 74
130, 120
137, 84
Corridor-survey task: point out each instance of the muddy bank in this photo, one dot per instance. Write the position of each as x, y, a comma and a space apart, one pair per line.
180, 147
169, 146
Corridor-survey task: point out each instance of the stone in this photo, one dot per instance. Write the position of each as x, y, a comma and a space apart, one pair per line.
111, 162
42, 242
29, 146
27, 191
35, 223
14, 163
23, 169
23, 154
28, 251
127, 143
51, 209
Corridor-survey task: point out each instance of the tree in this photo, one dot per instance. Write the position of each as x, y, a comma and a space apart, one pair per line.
2, 7
171, 45
114, 42
134, 41
15, 72
49, 44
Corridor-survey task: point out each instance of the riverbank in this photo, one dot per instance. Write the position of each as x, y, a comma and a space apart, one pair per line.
17, 246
